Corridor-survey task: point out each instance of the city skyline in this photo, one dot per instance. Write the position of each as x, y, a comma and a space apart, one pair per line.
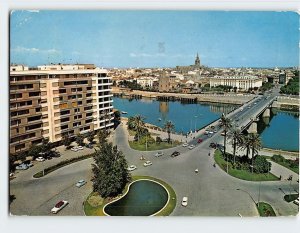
125, 39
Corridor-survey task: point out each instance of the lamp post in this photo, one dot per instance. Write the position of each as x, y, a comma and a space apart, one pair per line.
195, 122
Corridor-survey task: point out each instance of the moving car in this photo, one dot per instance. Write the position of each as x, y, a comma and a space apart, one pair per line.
200, 140
175, 154
131, 168
191, 147
147, 163
80, 183
159, 153
40, 159
184, 201
59, 206
185, 144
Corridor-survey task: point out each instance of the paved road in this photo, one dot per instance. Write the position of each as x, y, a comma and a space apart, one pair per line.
211, 192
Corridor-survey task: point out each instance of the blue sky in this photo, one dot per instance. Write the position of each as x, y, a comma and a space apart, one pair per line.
155, 38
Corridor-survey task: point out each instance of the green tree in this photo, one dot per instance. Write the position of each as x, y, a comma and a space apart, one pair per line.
21, 156
79, 139
255, 145
90, 136
117, 118
226, 125
261, 165
138, 125
169, 127
236, 140
12, 166
34, 151
110, 171
158, 140
46, 147
102, 137
66, 141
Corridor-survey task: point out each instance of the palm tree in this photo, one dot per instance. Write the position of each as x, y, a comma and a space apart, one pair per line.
226, 125
138, 124
236, 140
255, 145
169, 127
245, 145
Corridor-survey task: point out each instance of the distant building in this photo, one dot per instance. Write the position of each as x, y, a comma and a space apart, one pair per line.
186, 69
239, 82
167, 82
56, 100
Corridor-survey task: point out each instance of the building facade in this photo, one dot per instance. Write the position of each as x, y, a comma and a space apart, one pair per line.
239, 82
57, 100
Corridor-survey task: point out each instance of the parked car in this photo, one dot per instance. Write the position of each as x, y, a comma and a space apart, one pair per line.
175, 154
200, 140
40, 159
147, 163
131, 168
191, 147
206, 132
59, 206
184, 201
159, 153
296, 201
80, 183
80, 147
22, 166
75, 149
185, 144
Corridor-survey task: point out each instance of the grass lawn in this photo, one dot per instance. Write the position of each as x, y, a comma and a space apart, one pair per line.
242, 174
154, 146
286, 164
292, 197
93, 205
265, 210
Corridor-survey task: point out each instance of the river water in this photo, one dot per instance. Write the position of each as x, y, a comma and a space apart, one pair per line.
281, 131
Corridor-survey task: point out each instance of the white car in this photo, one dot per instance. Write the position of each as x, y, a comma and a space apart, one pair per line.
159, 153
80, 147
191, 147
185, 144
80, 183
75, 149
147, 163
184, 201
40, 159
59, 206
296, 201
22, 166
131, 168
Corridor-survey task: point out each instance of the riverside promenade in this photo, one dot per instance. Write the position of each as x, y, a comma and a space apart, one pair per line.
230, 98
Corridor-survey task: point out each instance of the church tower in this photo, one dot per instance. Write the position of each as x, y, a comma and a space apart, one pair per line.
197, 61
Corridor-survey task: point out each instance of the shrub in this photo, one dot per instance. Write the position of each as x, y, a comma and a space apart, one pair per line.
261, 165
158, 140
277, 158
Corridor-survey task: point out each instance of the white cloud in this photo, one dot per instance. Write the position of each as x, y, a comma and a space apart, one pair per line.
20, 49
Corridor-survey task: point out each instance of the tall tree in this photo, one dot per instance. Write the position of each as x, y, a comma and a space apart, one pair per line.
46, 146
102, 137
66, 141
138, 125
226, 126
169, 127
90, 136
246, 144
110, 171
255, 145
236, 140
79, 139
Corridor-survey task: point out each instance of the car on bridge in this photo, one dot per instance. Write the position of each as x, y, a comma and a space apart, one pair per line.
200, 140
185, 144
191, 147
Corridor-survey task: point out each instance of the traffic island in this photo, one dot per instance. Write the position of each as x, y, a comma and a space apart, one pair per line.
265, 210
94, 205
242, 173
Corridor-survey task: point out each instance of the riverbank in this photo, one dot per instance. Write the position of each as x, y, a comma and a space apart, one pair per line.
230, 98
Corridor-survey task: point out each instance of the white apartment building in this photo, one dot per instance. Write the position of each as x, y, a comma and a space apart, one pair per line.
240, 82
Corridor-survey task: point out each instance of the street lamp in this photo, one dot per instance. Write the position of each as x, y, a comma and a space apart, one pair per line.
195, 122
